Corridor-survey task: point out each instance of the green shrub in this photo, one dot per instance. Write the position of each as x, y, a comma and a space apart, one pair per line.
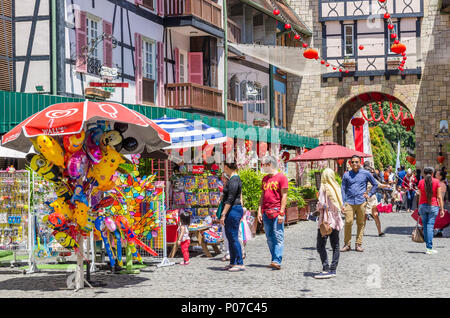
308, 192
251, 188
295, 197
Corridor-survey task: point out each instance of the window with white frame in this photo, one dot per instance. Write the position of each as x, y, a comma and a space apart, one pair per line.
259, 100
183, 67
149, 59
391, 40
93, 30
349, 40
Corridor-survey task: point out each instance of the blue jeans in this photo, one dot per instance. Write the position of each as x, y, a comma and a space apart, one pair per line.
275, 238
378, 195
410, 198
232, 222
428, 213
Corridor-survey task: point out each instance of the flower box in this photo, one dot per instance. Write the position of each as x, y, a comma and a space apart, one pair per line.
349, 65
291, 215
393, 64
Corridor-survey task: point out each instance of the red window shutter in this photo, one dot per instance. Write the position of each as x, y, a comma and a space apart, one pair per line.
195, 67
107, 44
177, 66
160, 69
138, 71
81, 41
160, 7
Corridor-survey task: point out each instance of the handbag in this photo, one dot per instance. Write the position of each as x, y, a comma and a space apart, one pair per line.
325, 228
219, 210
417, 234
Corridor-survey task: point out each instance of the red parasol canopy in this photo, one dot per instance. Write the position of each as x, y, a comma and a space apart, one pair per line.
71, 118
329, 150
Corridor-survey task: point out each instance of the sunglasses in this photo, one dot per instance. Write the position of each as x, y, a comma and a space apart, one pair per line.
355, 161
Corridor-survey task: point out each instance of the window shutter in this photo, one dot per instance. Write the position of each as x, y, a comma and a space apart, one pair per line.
265, 98
81, 41
160, 69
284, 112
160, 7
251, 104
195, 67
177, 66
233, 88
138, 70
107, 44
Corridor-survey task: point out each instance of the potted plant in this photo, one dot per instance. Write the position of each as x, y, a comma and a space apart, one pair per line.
251, 193
293, 198
309, 194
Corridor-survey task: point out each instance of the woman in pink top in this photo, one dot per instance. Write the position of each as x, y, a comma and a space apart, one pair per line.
442, 177
330, 205
430, 200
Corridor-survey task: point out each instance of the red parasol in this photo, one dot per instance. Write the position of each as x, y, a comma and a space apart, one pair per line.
329, 150
71, 118
440, 223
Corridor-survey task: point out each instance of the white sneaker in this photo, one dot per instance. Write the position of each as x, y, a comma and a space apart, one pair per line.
431, 251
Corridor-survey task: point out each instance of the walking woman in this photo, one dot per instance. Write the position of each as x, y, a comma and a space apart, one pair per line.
410, 185
330, 205
232, 215
430, 201
441, 175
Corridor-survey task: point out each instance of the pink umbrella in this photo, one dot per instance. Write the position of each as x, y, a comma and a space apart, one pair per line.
70, 118
329, 150
440, 223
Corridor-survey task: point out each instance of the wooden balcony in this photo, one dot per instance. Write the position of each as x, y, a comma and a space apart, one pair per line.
193, 96
234, 32
206, 10
235, 111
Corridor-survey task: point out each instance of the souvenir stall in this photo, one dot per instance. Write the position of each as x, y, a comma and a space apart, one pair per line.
14, 213
80, 147
194, 185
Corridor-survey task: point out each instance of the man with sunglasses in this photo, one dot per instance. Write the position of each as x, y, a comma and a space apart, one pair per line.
355, 197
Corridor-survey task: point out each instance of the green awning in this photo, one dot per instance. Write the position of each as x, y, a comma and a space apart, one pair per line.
16, 107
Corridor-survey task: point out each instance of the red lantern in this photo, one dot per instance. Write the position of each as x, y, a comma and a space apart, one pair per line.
327, 65
297, 37
404, 58
340, 162
398, 48
310, 53
387, 15
287, 26
357, 121
440, 159
208, 152
322, 62
305, 45
361, 47
396, 42
403, 54
248, 145
390, 26
276, 12
411, 160
382, 1
228, 145
334, 68
393, 36
346, 71
285, 156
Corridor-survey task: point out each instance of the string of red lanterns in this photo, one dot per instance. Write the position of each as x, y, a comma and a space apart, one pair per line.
311, 53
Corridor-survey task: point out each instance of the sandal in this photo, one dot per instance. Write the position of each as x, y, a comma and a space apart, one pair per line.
225, 258
236, 268
227, 267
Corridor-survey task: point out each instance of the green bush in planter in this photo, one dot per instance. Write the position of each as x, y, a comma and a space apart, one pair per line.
295, 197
308, 192
251, 188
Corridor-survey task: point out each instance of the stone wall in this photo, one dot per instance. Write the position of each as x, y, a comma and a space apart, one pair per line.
314, 104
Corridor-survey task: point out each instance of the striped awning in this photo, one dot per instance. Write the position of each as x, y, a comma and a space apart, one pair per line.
187, 133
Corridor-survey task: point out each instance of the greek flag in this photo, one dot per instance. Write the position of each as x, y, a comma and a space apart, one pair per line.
189, 133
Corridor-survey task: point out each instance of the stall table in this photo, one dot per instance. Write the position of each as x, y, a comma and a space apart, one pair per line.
196, 236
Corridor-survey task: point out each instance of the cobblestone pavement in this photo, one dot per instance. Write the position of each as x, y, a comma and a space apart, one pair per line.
391, 266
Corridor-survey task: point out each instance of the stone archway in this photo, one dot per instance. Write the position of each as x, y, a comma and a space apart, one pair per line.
348, 109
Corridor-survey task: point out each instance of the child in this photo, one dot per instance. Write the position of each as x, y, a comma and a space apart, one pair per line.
398, 199
183, 236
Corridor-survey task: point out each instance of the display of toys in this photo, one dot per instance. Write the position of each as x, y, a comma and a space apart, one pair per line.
202, 183
213, 182
191, 199
203, 212
203, 199
189, 183
214, 198
179, 198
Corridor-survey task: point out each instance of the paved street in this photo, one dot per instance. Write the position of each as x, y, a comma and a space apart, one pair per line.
392, 266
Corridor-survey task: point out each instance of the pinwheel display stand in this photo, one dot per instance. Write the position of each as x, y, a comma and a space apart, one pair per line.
15, 221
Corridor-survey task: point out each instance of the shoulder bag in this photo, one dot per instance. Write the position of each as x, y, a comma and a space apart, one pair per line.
417, 234
325, 228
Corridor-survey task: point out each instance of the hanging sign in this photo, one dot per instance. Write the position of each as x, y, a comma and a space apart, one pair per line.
105, 84
198, 169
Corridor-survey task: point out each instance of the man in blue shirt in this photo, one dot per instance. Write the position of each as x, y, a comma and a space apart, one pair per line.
354, 195
401, 175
